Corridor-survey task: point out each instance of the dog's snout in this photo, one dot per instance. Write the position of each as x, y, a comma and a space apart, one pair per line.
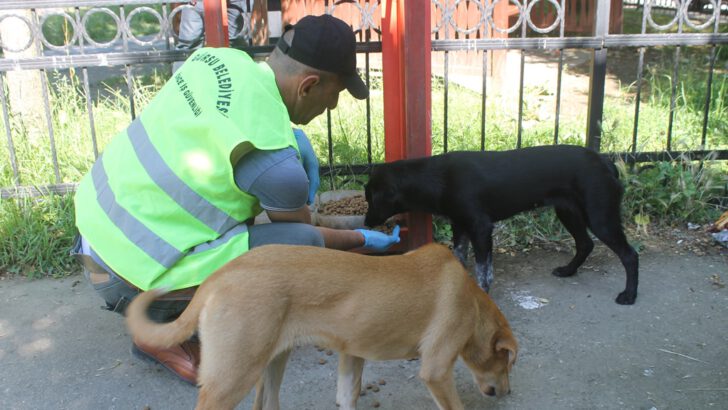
490, 391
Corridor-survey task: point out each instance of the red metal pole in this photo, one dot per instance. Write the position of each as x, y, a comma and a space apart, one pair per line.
418, 97
418, 68
407, 94
393, 80
216, 24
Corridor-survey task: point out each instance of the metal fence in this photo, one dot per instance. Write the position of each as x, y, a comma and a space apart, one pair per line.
130, 52
695, 5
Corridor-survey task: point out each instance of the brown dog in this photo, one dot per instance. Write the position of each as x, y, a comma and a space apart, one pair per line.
252, 311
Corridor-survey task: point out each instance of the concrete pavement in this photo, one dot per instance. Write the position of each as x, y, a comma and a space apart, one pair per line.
59, 350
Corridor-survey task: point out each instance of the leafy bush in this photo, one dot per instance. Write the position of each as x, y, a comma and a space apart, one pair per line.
675, 193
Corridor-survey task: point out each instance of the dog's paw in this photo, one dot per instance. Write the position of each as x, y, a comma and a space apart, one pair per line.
563, 272
626, 298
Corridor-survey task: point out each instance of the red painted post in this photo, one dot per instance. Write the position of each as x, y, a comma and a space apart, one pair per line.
418, 97
393, 80
216, 24
406, 74
418, 68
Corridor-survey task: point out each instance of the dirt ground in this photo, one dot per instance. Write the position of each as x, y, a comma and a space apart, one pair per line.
578, 349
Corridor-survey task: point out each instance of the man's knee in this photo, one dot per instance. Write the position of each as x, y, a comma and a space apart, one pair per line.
117, 295
311, 236
113, 291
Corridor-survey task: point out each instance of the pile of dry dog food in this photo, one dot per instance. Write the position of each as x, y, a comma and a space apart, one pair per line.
353, 205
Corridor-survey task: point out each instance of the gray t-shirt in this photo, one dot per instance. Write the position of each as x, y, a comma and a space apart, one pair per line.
276, 178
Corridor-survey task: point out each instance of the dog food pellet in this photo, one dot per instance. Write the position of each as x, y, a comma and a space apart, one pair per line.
369, 386
353, 205
382, 382
375, 389
387, 227
363, 393
329, 352
320, 349
322, 361
375, 404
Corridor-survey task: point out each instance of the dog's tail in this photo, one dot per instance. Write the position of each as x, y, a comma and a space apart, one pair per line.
161, 335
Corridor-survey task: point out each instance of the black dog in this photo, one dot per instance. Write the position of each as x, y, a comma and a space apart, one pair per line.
476, 189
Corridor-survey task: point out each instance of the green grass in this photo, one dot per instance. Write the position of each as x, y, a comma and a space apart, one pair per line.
36, 236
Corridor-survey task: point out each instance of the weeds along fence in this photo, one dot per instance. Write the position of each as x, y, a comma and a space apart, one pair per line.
74, 73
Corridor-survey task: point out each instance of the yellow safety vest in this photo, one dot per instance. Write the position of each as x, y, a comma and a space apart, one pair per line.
165, 185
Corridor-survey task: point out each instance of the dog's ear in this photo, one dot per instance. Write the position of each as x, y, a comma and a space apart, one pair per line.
506, 342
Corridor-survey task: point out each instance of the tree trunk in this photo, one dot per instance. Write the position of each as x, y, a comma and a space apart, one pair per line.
24, 86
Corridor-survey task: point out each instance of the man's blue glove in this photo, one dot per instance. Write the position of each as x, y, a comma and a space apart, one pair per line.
379, 241
310, 163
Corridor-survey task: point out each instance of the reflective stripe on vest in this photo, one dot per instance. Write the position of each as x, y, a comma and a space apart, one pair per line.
154, 246
225, 238
215, 218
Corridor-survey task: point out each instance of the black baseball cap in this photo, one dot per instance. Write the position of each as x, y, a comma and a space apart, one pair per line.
326, 43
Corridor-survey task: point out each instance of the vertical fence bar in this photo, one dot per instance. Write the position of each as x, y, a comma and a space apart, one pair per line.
597, 79
524, 28
446, 63
482, 100
81, 28
127, 67
330, 140
640, 71
130, 87
87, 88
8, 132
675, 73
709, 90
559, 74
446, 83
89, 108
708, 96
47, 106
49, 123
368, 101
166, 28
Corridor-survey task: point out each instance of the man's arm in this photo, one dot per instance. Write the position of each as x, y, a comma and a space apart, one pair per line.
341, 239
279, 181
359, 238
302, 215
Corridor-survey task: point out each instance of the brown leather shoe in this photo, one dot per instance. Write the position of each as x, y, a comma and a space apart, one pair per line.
182, 360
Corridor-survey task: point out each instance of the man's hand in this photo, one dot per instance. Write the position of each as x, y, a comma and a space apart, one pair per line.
379, 241
310, 163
